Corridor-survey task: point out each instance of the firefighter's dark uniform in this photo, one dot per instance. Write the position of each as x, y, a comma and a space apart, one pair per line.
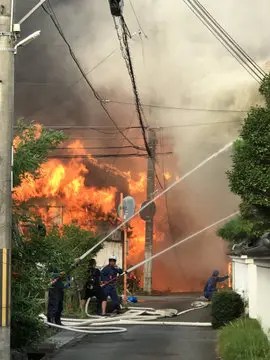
92, 287
109, 274
211, 284
56, 299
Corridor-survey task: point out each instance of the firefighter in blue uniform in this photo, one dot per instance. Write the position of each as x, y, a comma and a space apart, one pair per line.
109, 275
56, 296
211, 285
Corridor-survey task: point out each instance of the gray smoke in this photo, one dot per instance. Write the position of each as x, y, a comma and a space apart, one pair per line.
180, 64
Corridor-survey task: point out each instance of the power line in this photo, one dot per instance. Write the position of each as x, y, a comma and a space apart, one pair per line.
170, 107
221, 36
55, 21
137, 19
95, 148
126, 128
228, 36
98, 156
125, 51
76, 82
226, 40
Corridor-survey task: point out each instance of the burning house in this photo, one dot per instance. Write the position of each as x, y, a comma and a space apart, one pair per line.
82, 191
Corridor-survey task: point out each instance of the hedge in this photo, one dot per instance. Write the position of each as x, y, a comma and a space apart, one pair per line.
226, 306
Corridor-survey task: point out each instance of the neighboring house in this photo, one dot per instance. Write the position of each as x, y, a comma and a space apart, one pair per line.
112, 246
251, 279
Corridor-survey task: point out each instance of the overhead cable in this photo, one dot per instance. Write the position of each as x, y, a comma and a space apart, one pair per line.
126, 128
171, 107
137, 19
156, 197
226, 40
55, 21
101, 156
125, 50
228, 36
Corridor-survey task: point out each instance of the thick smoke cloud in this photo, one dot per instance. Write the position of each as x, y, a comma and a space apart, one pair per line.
180, 64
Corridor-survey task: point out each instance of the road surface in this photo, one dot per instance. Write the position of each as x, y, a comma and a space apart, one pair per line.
150, 342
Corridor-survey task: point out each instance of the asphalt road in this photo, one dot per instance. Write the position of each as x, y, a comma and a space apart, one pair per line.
151, 342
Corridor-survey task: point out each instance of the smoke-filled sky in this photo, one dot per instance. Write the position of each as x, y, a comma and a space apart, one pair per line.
180, 64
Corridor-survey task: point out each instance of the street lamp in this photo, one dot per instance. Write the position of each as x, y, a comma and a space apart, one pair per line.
27, 40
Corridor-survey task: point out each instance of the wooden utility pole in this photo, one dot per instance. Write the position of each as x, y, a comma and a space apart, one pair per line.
6, 123
149, 224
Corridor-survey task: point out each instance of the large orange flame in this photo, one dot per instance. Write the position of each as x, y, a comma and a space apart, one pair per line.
60, 194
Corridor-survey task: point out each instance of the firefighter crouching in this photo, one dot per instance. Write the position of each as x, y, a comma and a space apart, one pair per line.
93, 287
211, 285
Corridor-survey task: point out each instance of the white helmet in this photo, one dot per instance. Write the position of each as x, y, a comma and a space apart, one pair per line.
113, 258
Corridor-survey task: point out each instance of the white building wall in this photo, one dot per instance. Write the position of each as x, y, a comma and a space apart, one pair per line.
240, 276
252, 289
251, 279
109, 248
263, 294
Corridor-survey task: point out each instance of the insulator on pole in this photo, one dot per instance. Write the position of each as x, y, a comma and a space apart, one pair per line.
116, 7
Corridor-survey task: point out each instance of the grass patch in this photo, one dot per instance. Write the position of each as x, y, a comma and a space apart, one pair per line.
243, 339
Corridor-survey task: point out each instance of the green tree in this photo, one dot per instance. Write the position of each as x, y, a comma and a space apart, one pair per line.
37, 251
32, 146
34, 258
249, 176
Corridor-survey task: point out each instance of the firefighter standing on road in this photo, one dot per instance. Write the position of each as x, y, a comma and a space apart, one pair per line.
56, 297
109, 275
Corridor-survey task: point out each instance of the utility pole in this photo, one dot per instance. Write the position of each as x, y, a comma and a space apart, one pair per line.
149, 223
6, 123
124, 249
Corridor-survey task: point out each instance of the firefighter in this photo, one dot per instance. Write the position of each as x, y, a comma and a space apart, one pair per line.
93, 289
56, 297
109, 275
211, 285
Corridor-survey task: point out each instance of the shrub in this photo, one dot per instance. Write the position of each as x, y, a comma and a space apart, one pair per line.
226, 306
243, 339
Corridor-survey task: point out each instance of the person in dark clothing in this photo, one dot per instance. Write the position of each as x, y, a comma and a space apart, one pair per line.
109, 275
211, 284
56, 297
92, 287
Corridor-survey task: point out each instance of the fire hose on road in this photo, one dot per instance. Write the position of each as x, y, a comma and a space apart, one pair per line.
133, 316
141, 316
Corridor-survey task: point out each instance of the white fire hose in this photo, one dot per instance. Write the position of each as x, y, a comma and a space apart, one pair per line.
133, 316
171, 186
140, 316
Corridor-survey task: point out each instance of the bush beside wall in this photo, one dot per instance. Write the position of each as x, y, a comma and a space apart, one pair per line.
226, 306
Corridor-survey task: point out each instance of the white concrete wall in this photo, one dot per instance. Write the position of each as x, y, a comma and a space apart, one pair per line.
263, 294
240, 276
109, 248
251, 279
252, 289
